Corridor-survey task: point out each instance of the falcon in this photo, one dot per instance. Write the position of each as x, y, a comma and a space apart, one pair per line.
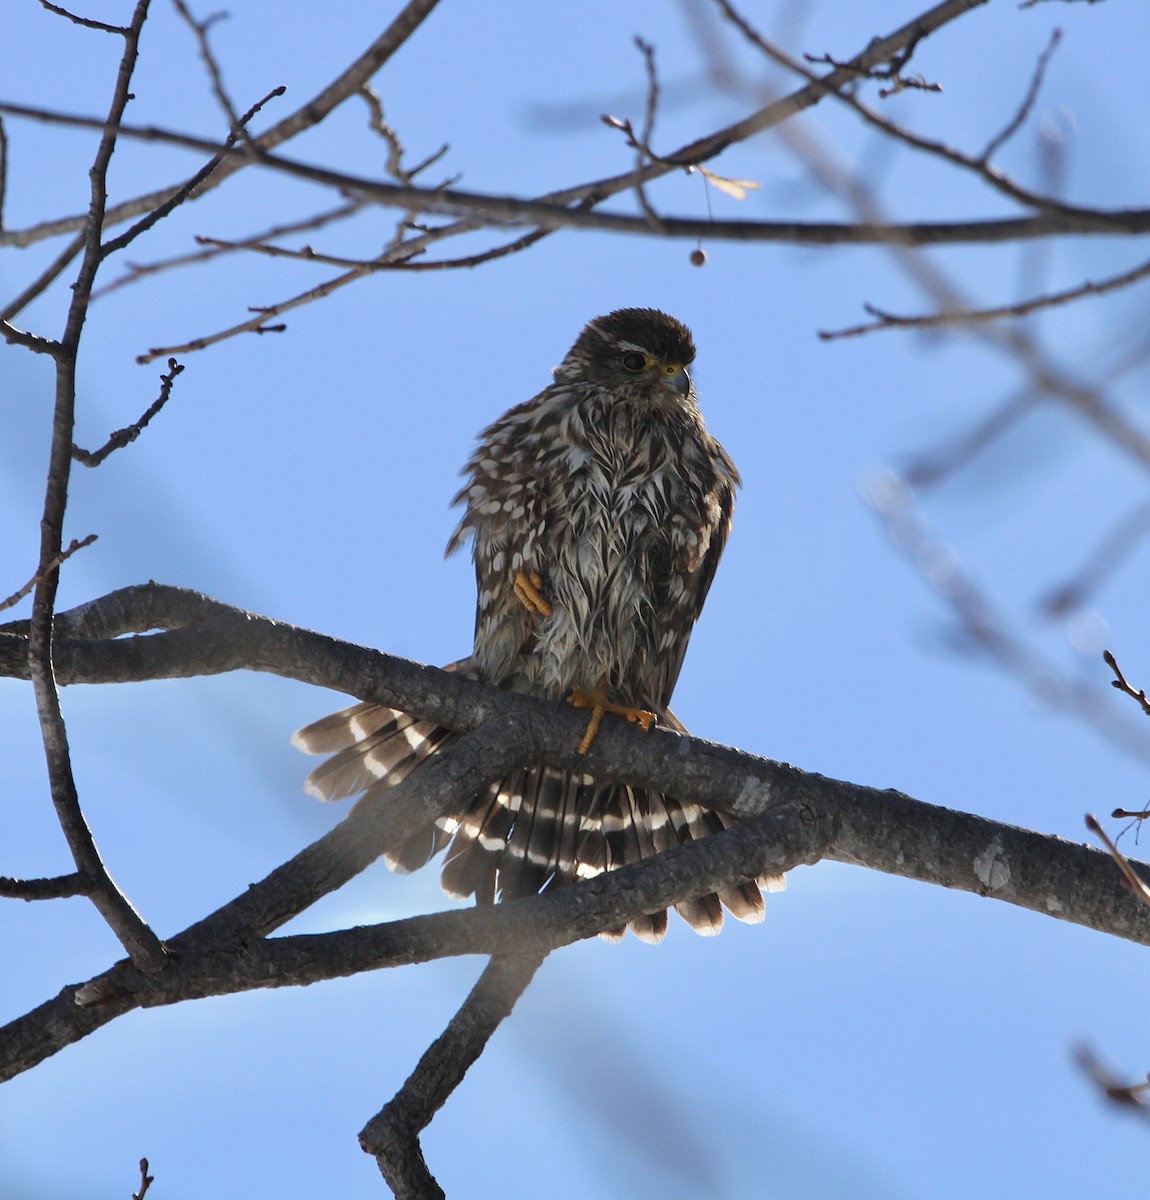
597, 513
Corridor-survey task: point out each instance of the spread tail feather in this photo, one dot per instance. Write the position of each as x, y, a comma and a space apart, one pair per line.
537, 828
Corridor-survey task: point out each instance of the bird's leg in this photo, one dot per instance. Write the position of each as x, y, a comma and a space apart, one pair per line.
598, 703
527, 585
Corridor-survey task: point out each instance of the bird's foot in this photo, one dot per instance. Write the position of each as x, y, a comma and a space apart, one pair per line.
527, 585
598, 703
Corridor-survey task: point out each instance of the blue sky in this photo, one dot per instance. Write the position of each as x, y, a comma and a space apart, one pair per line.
876, 1037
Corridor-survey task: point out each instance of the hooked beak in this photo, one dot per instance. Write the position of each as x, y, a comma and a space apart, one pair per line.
678, 381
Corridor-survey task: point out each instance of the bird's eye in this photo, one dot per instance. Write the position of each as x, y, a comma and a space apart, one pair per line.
634, 361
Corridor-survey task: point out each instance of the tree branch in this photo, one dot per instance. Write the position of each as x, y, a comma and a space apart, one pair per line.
799, 819
140, 942
392, 1135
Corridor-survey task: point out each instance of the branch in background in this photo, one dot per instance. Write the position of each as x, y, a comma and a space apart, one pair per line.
970, 316
1095, 572
1133, 1098
980, 626
138, 271
308, 115
1028, 101
236, 124
931, 467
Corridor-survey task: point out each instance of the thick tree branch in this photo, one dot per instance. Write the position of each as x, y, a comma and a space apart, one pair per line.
801, 819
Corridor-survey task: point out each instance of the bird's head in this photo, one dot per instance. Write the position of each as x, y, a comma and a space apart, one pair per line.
633, 351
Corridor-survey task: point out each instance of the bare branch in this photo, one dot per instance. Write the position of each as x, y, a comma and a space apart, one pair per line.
138, 271
45, 279
54, 565
392, 1135
87, 22
146, 1181
1130, 1097
976, 165
970, 316
199, 30
3, 171
192, 185
1129, 877
56, 888
172, 200
140, 942
553, 211
1100, 565
801, 818
1121, 684
30, 341
122, 437
346, 84
980, 626
1019, 119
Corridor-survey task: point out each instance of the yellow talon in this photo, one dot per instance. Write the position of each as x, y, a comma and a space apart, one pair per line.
527, 585
598, 703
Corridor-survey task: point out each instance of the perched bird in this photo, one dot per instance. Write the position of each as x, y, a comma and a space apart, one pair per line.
597, 513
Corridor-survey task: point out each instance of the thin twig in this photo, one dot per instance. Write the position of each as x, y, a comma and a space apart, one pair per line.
192, 185
893, 73
303, 254
1133, 881
3, 171
929, 467
199, 30
977, 165
138, 271
1019, 119
54, 565
1131, 1097
146, 1181
122, 437
643, 152
45, 279
1099, 565
1121, 684
971, 316
87, 22
308, 115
